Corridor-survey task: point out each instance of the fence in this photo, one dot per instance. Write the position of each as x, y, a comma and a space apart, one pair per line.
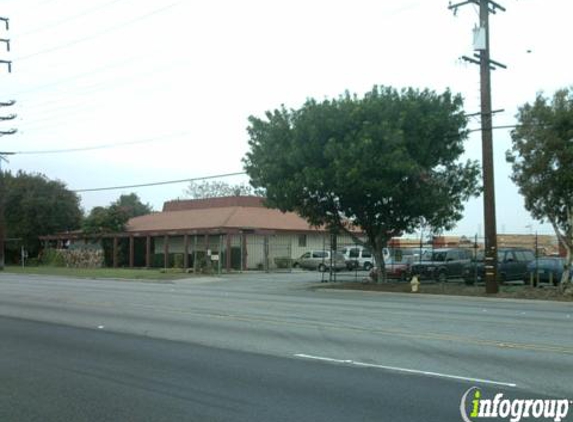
281, 252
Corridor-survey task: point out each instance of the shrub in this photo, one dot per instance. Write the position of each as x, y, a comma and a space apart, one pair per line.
53, 258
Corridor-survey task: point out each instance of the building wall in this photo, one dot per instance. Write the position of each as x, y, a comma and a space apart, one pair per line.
286, 246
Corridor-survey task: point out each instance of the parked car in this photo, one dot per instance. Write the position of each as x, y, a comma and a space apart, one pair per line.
549, 270
357, 257
399, 269
398, 254
442, 264
321, 261
511, 265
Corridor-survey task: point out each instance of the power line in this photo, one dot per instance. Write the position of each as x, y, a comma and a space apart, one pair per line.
95, 147
168, 182
67, 19
80, 75
99, 33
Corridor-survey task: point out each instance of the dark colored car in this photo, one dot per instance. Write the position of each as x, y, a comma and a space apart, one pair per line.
549, 270
511, 265
442, 264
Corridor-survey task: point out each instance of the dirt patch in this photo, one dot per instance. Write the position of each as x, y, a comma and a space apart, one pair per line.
511, 292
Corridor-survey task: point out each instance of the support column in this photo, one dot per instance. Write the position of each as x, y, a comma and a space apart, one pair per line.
266, 249
166, 251
131, 251
195, 254
207, 256
219, 254
244, 252
228, 254
148, 251
186, 251
114, 252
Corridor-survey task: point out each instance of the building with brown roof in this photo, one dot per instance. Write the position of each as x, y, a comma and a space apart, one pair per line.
233, 233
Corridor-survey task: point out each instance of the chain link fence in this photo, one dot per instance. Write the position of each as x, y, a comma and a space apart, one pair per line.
456, 258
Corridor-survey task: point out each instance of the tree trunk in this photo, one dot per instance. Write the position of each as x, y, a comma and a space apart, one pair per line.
380, 274
379, 242
566, 240
565, 278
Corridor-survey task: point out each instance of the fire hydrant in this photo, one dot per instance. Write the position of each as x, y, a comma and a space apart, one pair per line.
415, 283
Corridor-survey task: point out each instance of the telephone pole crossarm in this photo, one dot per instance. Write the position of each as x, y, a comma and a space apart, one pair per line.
463, 3
8, 63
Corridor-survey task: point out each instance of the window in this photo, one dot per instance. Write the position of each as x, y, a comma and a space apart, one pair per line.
453, 256
302, 241
366, 253
509, 257
319, 254
353, 253
524, 256
529, 255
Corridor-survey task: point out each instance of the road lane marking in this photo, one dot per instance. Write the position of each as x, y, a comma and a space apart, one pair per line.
406, 370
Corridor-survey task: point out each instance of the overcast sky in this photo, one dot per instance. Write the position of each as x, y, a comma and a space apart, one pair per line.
178, 79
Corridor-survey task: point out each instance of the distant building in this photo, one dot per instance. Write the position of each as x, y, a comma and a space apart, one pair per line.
237, 233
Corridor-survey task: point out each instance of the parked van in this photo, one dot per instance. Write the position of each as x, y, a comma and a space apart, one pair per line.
359, 257
321, 261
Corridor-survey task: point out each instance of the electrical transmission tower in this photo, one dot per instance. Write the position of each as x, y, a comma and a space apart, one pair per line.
482, 58
3, 118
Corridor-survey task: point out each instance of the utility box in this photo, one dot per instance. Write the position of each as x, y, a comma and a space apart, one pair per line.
480, 39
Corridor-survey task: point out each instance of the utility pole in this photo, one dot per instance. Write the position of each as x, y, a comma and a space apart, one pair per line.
8, 63
482, 45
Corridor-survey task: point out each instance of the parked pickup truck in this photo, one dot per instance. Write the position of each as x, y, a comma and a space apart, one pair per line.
442, 264
511, 265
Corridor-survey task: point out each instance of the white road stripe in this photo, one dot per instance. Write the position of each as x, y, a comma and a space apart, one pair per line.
410, 371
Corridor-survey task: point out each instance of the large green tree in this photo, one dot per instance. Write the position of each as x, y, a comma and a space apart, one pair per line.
542, 161
36, 206
113, 218
385, 162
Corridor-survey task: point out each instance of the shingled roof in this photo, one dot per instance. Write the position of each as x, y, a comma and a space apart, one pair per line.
233, 213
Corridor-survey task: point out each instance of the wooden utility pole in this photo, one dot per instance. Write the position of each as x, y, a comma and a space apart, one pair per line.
487, 158
486, 64
8, 63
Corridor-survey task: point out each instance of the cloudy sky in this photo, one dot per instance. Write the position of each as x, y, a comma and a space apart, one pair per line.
170, 84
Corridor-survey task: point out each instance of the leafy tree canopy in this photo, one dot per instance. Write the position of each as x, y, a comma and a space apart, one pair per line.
36, 206
387, 161
542, 161
132, 205
218, 189
113, 219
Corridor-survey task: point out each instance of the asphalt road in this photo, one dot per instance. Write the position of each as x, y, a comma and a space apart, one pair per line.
258, 347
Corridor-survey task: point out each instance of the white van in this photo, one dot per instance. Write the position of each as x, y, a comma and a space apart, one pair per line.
360, 257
